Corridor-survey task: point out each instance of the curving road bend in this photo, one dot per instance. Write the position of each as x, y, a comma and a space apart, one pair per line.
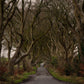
43, 77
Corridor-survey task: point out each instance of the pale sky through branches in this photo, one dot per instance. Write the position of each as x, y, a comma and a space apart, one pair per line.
19, 4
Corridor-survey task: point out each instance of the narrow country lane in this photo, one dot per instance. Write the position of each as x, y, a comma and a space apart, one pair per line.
43, 77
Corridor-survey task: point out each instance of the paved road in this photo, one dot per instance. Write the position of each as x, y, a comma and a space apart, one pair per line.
43, 77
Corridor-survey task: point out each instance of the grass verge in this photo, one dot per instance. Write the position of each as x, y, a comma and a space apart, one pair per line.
20, 77
71, 79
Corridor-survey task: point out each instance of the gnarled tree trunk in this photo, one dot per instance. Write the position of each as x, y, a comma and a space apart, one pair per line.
11, 68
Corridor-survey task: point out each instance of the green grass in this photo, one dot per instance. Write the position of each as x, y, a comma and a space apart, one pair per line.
71, 79
22, 77
34, 68
18, 81
3, 59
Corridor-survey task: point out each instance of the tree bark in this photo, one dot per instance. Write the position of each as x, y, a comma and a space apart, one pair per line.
24, 64
9, 51
0, 44
66, 56
1, 24
80, 24
11, 68
29, 65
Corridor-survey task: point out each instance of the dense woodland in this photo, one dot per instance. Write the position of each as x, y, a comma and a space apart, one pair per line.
50, 31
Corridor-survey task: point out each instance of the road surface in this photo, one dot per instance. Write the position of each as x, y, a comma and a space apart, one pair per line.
43, 77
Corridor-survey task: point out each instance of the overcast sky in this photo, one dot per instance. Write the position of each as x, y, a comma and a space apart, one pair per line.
19, 4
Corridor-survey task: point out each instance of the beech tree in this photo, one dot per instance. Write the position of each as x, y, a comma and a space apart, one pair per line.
46, 30
6, 14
